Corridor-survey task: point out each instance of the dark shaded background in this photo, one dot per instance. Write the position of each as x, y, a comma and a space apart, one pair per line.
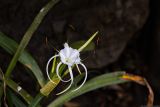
128, 40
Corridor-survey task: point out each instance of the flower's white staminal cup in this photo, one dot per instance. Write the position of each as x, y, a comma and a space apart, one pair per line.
70, 57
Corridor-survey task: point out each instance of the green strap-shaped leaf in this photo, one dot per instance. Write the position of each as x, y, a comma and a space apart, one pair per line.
16, 101
88, 42
95, 83
78, 44
25, 58
14, 86
29, 33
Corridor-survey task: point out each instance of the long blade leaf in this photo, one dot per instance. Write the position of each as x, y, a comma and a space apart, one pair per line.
25, 58
24, 94
15, 100
78, 44
95, 83
29, 33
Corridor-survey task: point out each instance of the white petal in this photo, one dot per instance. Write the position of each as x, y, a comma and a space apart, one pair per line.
77, 61
57, 71
66, 45
75, 53
71, 75
67, 50
48, 66
85, 78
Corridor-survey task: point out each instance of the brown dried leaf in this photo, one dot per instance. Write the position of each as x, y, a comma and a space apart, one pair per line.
71, 104
142, 81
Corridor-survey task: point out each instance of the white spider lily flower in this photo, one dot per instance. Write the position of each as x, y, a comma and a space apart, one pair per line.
70, 57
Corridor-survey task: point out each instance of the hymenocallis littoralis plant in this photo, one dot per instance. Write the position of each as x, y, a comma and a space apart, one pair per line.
68, 56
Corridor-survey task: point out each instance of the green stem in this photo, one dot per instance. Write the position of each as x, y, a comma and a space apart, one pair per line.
27, 36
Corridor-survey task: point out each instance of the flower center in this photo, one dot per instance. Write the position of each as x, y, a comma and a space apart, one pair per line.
68, 60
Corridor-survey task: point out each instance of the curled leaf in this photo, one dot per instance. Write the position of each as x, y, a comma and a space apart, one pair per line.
142, 81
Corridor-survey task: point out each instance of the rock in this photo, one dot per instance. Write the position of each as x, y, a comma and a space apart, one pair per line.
116, 20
